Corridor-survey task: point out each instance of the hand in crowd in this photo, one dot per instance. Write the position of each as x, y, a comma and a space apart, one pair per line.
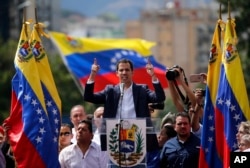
204, 78
180, 77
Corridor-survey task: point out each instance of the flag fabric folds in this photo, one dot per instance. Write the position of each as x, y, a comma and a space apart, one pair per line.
209, 157
78, 55
226, 102
232, 100
30, 132
51, 96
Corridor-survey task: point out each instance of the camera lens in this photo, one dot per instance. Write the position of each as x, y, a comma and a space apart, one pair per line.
203, 92
172, 74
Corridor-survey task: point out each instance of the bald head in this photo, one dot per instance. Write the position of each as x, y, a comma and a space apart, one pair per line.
99, 112
77, 114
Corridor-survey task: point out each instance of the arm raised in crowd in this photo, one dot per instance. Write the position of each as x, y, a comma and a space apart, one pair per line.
175, 96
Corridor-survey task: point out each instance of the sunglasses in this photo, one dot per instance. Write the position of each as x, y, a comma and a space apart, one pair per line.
65, 133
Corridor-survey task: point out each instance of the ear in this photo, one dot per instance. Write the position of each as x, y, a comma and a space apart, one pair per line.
175, 126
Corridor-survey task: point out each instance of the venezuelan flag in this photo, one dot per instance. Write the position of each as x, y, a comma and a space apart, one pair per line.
232, 100
209, 157
51, 96
78, 55
29, 133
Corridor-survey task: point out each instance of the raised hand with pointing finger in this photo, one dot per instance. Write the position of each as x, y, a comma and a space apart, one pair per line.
94, 70
150, 70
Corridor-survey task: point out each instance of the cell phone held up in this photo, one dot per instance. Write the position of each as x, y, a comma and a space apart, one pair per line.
195, 78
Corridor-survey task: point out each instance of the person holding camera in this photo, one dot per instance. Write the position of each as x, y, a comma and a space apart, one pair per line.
191, 103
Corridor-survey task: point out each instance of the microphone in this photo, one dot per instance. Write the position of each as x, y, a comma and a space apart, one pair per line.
122, 89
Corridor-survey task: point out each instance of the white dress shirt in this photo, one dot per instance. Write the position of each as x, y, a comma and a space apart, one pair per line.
72, 157
126, 108
96, 137
73, 140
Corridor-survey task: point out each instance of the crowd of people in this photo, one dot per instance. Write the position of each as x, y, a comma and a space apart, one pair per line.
178, 143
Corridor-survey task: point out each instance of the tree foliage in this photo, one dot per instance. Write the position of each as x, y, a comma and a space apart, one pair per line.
7, 52
240, 11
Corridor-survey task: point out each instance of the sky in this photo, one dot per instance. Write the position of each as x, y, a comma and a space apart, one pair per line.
125, 9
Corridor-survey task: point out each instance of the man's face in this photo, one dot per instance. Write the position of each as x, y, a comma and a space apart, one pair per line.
124, 73
77, 114
182, 126
83, 133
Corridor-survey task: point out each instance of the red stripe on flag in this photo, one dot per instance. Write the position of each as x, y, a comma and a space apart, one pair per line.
202, 159
219, 133
140, 77
18, 139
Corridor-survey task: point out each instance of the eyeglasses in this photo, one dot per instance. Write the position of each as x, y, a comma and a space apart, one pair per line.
65, 133
242, 144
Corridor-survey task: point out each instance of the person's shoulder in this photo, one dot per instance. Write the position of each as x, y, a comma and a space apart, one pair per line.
70, 147
96, 147
247, 150
171, 142
171, 145
67, 150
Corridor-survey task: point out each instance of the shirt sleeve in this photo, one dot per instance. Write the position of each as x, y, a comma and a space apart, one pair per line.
104, 159
198, 132
61, 160
90, 81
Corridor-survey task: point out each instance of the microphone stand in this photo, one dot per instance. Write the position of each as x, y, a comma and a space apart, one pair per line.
120, 123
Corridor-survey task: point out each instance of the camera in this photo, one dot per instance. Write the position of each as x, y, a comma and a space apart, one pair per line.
171, 74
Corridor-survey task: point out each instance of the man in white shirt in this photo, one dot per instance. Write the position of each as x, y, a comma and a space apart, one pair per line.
77, 114
85, 153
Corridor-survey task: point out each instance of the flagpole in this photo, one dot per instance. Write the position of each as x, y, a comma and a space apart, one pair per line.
219, 25
229, 12
36, 19
24, 20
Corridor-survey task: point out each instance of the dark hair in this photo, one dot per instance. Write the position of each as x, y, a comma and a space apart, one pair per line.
170, 131
90, 117
89, 123
67, 125
183, 114
125, 61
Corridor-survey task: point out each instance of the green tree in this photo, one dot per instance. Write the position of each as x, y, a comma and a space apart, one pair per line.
7, 52
240, 11
67, 88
